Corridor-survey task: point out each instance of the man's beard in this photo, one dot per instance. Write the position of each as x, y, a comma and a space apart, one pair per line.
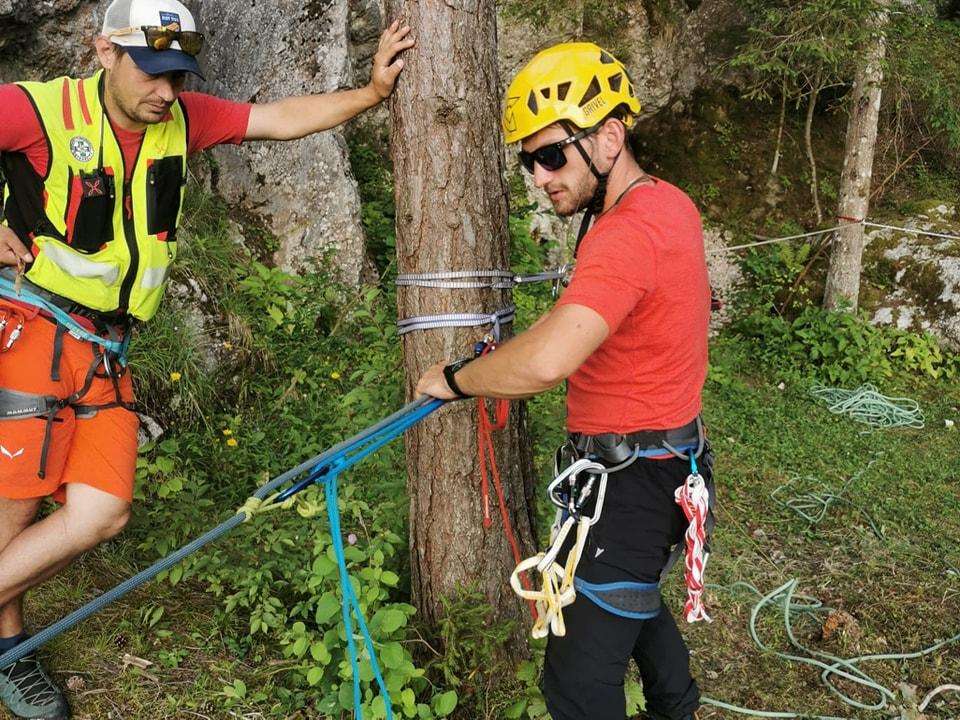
132, 111
576, 199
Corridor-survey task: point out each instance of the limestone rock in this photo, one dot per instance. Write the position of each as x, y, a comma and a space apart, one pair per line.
303, 191
666, 64
43, 40
925, 270
725, 274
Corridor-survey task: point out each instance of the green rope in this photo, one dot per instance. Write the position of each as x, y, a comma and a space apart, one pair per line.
257, 506
813, 506
786, 598
867, 405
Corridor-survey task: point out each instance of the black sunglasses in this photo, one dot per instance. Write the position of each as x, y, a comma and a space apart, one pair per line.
552, 157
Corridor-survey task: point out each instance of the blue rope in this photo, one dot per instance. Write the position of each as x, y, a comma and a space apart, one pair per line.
322, 469
119, 348
327, 474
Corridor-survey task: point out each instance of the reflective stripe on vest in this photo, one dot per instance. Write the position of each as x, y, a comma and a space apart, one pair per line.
106, 253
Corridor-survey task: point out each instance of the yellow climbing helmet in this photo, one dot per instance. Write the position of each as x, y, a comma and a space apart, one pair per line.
578, 82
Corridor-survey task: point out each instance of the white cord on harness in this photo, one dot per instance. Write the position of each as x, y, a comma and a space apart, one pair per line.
694, 499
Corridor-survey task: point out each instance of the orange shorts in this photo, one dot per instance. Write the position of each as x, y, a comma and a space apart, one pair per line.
99, 451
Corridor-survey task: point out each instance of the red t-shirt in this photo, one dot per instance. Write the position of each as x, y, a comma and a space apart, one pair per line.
210, 120
642, 267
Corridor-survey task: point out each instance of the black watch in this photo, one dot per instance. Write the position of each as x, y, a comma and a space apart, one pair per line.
449, 373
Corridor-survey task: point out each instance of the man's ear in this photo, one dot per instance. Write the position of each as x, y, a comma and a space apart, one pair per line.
105, 52
613, 137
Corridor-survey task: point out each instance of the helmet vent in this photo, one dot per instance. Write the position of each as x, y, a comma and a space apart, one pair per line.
606, 58
615, 82
545, 92
532, 103
592, 91
562, 90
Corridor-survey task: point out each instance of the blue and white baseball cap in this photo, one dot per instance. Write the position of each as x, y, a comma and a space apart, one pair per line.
125, 14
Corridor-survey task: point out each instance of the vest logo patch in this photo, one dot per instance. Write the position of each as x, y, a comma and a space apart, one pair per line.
93, 187
81, 149
169, 18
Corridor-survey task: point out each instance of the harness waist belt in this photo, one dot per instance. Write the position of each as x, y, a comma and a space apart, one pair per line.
616, 448
87, 317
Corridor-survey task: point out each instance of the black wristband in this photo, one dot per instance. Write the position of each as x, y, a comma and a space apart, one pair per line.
449, 373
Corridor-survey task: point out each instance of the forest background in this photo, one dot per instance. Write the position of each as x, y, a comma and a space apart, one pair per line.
279, 339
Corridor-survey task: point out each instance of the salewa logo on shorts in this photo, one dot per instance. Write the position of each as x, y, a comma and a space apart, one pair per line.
11, 455
81, 149
168, 18
599, 552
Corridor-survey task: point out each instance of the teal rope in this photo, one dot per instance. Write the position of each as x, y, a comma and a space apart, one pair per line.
867, 405
119, 348
813, 506
792, 603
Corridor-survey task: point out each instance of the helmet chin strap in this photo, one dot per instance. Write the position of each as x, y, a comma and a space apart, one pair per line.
593, 206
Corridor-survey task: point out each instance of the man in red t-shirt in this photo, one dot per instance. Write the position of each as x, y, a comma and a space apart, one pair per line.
630, 337
95, 170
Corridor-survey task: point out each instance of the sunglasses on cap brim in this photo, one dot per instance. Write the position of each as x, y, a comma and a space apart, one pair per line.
552, 157
162, 37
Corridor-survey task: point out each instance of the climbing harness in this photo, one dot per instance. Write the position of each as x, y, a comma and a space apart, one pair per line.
324, 469
867, 405
109, 347
583, 477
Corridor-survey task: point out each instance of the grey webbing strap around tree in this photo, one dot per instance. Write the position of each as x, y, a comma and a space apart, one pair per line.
432, 322
478, 279
469, 280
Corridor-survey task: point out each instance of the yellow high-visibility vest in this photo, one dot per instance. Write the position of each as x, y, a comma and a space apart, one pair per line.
101, 234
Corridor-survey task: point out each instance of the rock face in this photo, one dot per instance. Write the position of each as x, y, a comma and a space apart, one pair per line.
925, 274
725, 274
303, 191
42, 40
665, 63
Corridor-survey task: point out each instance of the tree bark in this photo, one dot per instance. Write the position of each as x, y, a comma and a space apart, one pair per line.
846, 259
452, 215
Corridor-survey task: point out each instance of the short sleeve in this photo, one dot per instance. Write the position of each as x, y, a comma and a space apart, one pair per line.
214, 121
20, 128
615, 271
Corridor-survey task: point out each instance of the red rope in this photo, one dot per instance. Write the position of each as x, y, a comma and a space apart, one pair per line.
487, 459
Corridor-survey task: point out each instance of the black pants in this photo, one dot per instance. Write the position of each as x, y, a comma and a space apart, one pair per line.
584, 670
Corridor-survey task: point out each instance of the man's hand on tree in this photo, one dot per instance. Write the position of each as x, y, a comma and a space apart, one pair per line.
386, 64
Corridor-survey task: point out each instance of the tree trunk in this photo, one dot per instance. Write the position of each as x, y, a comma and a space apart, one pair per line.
774, 169
843, 278
808, 142
452, 215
